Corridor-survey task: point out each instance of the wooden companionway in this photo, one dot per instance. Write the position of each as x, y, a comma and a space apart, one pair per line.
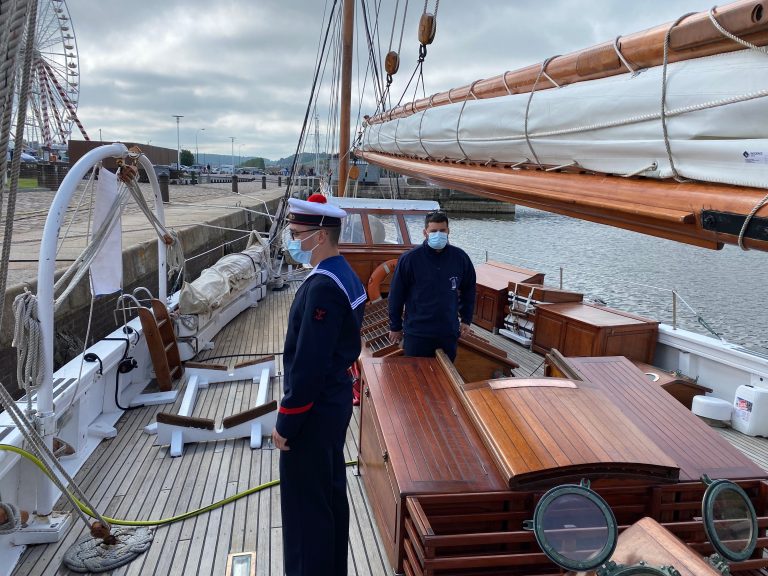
161, 341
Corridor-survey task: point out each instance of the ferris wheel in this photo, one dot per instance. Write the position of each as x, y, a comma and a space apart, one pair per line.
54, 87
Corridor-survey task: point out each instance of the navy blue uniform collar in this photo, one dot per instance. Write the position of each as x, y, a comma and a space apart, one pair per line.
338, 270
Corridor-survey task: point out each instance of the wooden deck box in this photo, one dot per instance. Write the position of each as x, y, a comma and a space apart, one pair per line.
492, 296
579, 329
415, 439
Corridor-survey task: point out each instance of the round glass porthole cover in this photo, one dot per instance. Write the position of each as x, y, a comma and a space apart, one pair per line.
575, 527
729, 519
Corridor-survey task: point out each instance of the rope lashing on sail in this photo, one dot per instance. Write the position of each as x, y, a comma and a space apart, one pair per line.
665, 64
748, 219
421, 143
528, 107
624, 61
763, 50
506, 84
458, 120
561, 166
651, 167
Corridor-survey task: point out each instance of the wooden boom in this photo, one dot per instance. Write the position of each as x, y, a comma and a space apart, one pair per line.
694, 37
702, 214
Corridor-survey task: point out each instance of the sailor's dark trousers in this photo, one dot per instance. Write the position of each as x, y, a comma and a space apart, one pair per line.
313, 495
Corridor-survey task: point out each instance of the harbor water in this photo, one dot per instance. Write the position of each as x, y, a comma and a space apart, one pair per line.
724, 289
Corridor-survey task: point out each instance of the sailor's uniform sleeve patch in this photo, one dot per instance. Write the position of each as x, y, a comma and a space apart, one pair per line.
319, 314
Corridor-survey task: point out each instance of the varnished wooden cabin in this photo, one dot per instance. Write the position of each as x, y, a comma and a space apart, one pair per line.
453, 469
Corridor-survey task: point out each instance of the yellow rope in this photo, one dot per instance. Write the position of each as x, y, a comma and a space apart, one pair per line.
163, 521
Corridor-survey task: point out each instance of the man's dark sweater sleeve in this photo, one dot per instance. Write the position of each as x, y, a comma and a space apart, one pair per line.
397, 294
468, 287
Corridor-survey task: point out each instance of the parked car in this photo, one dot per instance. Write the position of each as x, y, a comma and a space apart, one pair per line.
26, 158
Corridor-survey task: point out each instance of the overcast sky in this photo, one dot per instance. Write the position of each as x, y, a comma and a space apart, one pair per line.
244, 68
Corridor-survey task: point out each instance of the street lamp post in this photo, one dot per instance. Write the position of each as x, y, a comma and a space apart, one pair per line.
178, 145
233, 153
197, 152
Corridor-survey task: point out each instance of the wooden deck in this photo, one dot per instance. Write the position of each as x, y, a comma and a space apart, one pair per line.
128, 477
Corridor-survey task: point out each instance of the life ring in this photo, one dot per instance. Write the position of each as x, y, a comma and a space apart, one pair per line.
382, 271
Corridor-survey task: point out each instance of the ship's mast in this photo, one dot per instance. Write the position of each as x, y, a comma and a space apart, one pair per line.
348, 22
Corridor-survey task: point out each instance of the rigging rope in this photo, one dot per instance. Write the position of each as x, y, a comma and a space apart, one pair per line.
18, 148
280, 217
664, 97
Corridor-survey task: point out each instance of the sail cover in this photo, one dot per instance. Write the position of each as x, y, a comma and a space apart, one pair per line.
715, 110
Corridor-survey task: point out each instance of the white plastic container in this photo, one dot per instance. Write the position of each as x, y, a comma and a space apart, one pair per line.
750, 411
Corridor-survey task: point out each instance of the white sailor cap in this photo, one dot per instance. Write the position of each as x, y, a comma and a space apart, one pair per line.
314, 211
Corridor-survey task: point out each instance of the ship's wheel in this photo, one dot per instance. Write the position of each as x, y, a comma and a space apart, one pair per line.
55, 82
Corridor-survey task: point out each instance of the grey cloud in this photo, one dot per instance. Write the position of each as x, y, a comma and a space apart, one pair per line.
244, 68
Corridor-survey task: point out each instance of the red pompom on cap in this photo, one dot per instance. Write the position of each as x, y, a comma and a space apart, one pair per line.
319, 198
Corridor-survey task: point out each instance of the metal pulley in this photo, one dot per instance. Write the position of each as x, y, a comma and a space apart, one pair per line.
427, 28
392, 63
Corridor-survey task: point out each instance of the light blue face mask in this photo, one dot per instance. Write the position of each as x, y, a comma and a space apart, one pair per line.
295, 250
437, 240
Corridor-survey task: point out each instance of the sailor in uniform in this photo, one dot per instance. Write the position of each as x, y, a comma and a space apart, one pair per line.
322, 342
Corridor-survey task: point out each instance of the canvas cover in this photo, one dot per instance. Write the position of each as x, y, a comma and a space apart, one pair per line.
215, 283
715, 107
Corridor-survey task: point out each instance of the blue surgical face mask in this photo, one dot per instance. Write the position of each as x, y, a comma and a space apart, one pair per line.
437, 240
295, 250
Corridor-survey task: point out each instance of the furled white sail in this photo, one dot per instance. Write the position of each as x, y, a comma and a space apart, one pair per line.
716, 110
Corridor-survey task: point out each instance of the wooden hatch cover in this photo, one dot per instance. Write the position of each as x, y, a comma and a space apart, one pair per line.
546, 430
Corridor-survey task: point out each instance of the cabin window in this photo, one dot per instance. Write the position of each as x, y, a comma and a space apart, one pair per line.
385, 229
352, 230
415, 225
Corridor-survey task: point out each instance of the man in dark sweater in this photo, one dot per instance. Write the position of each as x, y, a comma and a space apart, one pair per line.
435, 283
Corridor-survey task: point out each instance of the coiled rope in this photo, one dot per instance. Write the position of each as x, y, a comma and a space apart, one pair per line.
28, 341
14, 519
